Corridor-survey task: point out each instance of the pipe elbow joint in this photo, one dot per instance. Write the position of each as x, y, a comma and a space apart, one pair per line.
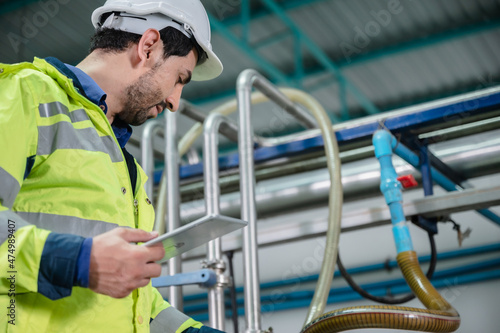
383, 141
246, 78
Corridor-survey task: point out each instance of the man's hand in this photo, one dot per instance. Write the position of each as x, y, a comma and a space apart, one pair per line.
118, 267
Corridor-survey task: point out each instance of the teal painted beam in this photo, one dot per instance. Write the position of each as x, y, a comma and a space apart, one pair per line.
407, 47
321, 56
245, 21
400, 48
272, 71
404, 47
421, 43
344, 109
262, 13
299, 59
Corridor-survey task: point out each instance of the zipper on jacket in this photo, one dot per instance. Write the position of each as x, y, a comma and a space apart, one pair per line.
136, 207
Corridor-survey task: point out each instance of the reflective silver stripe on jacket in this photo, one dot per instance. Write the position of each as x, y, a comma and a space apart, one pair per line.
51, 109
168, 321
63, 135
10, 223
68, 224
9, 188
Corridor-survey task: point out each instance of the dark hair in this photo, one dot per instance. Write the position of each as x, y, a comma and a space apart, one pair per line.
175, 43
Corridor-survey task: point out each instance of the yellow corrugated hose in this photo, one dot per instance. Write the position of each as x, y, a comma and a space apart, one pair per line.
439, 316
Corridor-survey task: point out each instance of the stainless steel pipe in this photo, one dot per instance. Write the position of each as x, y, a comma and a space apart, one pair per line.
172, 162
464, 99
296, 110
151, 129
461, 130
246, 80
228, 129
473, 156
248, 209
216, 306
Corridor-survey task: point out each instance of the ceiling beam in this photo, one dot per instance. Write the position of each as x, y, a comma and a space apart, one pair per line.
245, 20
408, 46
322, 57
261, 12
267, 67
422, 42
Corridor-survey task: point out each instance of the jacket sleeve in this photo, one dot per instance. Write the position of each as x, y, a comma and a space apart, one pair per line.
166, 318
34, 259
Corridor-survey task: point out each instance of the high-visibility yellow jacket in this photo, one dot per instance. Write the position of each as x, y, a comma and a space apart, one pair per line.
62, 170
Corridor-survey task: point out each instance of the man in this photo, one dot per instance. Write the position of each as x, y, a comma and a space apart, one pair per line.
72, 199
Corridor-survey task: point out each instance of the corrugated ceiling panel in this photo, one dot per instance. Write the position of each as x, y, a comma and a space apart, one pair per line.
469, 59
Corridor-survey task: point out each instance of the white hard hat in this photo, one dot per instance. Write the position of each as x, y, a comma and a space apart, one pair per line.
187, 16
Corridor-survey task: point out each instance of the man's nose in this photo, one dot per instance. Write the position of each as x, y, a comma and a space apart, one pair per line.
174, 99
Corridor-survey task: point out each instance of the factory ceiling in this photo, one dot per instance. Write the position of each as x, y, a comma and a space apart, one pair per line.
357, 57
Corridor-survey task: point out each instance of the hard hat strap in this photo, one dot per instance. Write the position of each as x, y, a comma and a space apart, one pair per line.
138, 24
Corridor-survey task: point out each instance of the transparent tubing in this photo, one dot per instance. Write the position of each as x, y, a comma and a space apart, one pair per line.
374, 316
439, 316
335, 198
248, 78
335, 202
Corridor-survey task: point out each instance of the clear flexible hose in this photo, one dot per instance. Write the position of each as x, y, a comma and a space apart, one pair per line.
318, 303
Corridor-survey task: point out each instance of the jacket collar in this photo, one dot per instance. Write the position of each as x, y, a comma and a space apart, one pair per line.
122, 131
61, 67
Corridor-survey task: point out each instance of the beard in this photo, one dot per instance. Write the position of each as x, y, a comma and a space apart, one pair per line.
141, 96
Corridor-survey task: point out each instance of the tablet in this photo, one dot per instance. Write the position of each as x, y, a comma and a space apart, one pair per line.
196, 233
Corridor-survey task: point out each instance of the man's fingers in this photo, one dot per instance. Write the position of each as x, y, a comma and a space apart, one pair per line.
118, 266
152, 270
137, 235
155, 252
147, 254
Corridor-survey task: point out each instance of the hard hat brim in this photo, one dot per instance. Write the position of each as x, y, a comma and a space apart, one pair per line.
209, 69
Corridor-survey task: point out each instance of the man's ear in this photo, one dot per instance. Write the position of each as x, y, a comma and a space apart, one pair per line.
150, 47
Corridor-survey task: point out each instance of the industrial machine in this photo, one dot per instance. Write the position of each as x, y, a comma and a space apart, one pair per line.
318, 166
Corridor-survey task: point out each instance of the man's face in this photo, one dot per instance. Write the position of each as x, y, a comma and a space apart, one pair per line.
157, 89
